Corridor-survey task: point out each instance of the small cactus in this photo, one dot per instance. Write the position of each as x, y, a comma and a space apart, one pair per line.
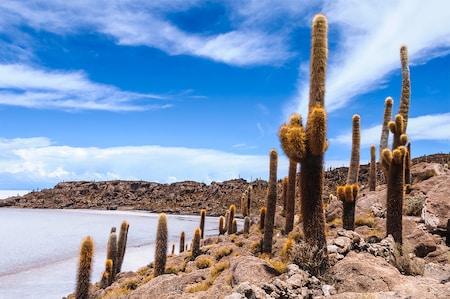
182, 241
222, 227
290, 197
106, 276
122, 244
246, 225
347, 194
161, 246
196, 243
202, 221
112, 253
234, 226
231, 218
262, 218
373, 168
271, 203
85, 268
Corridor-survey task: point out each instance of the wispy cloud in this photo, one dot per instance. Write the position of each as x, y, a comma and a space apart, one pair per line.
30, 163
368, 44
418, 130
21, 85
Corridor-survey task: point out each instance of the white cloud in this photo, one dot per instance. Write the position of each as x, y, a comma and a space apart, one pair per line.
25, 163
21, 85
426, 127
369, 37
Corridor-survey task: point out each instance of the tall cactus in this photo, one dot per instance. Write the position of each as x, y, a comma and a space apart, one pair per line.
405, 96
85, 268
202, 222
271, 203
222, 226
353, 171
373, 168
290, 197
161, 246
262, 218
307, 146
112, 253
284, 191
122, 244
246, 225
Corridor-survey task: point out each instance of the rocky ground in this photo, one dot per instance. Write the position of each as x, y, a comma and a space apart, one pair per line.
365, 263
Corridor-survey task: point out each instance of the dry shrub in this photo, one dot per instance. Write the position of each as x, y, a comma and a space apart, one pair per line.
203, 262
207, 283
310, 258
222, 252
406, 262
423, 176
365, 221
413, 205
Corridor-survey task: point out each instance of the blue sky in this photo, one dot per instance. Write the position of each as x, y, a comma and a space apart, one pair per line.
196, 90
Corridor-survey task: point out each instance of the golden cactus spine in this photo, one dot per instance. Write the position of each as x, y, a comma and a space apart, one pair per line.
373, 168
202, 221
159, 263
271, 203
122, 244
307, 146
290, 197
182, 241
85, 268
112, 253
231, 218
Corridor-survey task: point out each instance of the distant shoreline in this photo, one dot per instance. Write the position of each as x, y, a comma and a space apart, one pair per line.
8, 193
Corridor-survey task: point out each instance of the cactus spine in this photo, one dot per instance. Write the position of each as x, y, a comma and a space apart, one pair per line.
202, 221
231, 218
307, 146
161, 246
196, 243
84, 268
182, 241
112, 253
290, 197
122, 244
373, 168
271, 203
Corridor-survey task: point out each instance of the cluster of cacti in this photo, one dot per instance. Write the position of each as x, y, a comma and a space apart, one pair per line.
290, 197
394, 161
271, 203
373, 168
84, 268
202, 221
307, 145
159, 264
